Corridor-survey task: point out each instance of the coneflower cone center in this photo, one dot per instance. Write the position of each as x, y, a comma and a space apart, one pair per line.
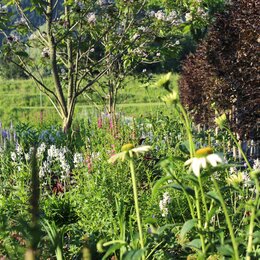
127, 147
203, 152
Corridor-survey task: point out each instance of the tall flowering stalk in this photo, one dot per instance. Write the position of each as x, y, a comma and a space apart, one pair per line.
35, 229
221, 121
128, 153
173, 99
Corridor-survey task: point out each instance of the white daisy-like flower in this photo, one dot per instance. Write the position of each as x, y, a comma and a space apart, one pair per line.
235, 179
129, 150
171, 98
203, 158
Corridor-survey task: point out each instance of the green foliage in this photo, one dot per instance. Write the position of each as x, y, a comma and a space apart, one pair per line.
85, 41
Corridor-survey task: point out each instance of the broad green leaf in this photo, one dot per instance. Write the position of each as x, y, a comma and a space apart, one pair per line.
184, 147
213, 195
134, 254
176, 186
186, 29
226, 250
163, 228
256, 237
187, 226
112, 249
159, 183
195, 243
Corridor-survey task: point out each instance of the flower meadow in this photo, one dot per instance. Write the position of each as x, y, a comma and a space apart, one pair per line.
148, 187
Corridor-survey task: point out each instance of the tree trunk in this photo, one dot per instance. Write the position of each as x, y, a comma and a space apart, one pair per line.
67, 122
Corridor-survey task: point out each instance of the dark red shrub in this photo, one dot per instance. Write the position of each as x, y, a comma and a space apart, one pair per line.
225, 70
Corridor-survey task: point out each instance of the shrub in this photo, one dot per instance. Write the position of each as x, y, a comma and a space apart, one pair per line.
224, 70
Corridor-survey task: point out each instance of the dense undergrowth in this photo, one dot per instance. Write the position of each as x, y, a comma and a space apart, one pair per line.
86, 204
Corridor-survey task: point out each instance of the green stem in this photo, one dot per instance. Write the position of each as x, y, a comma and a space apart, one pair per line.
252, 222
137, 211
187, 125
188, 130
239, 147
230, 228
204, 201
199, 220
186, 195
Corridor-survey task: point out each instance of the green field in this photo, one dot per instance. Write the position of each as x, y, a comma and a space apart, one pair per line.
21, 100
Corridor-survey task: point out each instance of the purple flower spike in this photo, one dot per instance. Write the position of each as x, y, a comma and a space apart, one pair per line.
4, 134
99, 122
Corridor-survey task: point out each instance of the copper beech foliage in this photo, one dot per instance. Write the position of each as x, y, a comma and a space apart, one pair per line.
224, 70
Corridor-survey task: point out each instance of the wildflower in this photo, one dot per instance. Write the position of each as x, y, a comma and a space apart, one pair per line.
91, 18
77, 159
13, 156
188, 16
129, 150
203, 157
160, 15
41, 150
221, 120
256, 165
89, 163
172, 16
163, 204
52, 151
27, 156
99, 123
171, 98
164, 81
235, 179
19, 150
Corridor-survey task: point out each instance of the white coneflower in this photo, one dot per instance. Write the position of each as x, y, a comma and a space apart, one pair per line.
129, 150
221, 120
171, 98
203, 157
235, 179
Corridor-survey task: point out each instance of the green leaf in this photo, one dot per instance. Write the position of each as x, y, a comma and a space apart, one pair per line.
195, 243
187, 226
22, 54
134, 254
186, 29
184, 147
159, 183
226, 250
213, 195
212, 211
112, 249
256, 237
163, 228
176, 186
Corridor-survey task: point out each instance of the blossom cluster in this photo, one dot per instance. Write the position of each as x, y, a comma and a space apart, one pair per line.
52, 160
164, 203
172, 17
